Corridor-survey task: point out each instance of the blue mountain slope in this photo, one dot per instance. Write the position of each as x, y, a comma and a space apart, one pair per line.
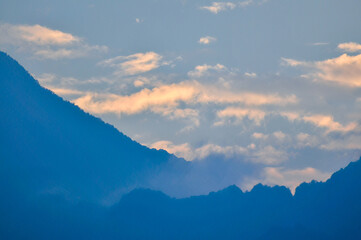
50, 145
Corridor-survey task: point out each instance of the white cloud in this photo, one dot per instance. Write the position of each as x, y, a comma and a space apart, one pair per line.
250, 75
202, 70
135, 64
292, 62
217, 7
269, 155
207, 40
227, 151
240, 113
350, 47
46, 43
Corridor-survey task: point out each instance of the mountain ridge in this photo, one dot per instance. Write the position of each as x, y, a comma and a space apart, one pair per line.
65, 174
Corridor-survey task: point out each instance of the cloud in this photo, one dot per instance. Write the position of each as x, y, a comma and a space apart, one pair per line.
326, 121
240, 113
292, 62
227, 151
46, 43
306, 140
350, 47
165, 99
350, 142
35, 34
322, 121
64, 91
344, 70
291, 116
182, 150
250, 75
135, 64
202, 70
138, 20
217, 7
190, 154
269, 155
259, 136
218, 95
291, 178
166, 95
207, 40
279, 135
320, 44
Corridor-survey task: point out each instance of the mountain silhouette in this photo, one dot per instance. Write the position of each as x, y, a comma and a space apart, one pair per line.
51, 145
65, 174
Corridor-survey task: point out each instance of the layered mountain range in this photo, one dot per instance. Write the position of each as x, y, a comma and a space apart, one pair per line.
65, 174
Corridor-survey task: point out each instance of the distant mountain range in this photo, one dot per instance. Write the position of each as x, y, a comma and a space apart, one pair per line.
65, 174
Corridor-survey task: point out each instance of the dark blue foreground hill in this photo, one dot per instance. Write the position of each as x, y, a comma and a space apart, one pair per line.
57, 164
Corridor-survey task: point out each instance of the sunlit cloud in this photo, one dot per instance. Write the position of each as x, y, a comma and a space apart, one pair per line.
64, 91
135, 64
171, 95
350, 47
167, 95
207, 40
344, 70
326, 121
36, 34
202, 70
46, 43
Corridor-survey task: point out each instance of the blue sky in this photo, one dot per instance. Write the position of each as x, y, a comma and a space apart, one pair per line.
273, 83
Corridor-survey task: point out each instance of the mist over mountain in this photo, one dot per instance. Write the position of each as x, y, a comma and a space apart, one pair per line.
65, 174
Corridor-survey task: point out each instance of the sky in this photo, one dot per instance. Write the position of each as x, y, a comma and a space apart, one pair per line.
275, 84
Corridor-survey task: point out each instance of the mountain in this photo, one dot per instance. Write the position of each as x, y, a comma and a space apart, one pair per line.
49, 145
318, 210
65, 174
